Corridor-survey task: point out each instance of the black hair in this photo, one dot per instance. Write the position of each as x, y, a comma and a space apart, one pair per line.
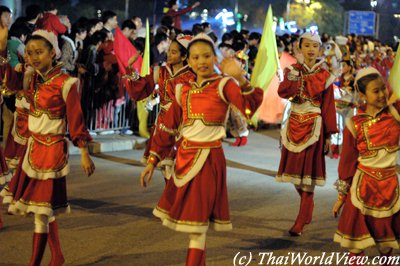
4, 9
77, 29
167, 21
139, 44
159, 37
171, 3
255, 36
50, 6
363, 82
98, 37
92, 23
18, 29
182, 49
301, 42
239, 45
197, 28
225, 45
227, 37
202, 41
244, 32
205, 25
349, 63
128, 24
108, 14
32, 11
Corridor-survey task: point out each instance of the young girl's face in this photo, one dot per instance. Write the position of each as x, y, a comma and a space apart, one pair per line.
310, 49
40, 55
174, 54
376, 94
202, 59
345, 68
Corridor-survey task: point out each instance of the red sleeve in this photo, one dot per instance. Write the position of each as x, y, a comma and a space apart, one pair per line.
76, 124
288, 88
164, 136
328, 112
141, 88
246, 102
11, 79
348, 158
55, 22
179, 12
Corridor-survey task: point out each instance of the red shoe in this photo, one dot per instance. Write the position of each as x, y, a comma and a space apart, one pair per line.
387, 255
305, 213
57, 258
239, 141
38, 247
356, 261
196, 257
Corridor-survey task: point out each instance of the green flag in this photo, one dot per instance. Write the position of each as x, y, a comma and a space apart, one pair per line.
395, 74
267, 61
145, 70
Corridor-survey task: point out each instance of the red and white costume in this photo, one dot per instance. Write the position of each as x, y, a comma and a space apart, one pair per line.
196, 193
312, 119
39, 185
370, 214
167, 81
16, 142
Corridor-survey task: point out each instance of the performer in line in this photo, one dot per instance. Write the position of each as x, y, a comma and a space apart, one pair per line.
195, 196
306, 134
39, 184
167, 77
368, 184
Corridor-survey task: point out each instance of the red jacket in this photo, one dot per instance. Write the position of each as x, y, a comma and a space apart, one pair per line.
51, 22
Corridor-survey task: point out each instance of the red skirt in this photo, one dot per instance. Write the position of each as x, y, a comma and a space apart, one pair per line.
27, 195
358, 231
304, 168
200, 202
3, 168
14, 152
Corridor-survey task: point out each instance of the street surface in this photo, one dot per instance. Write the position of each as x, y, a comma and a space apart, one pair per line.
111, 221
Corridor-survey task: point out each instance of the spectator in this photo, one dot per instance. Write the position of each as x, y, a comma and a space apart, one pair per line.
207, 30
140, 31
173, 11
16, 44
128, 29
159, 49
32, 14
110, 22
70, 49
51, 22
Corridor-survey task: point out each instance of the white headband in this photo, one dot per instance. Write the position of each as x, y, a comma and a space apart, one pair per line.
51, 37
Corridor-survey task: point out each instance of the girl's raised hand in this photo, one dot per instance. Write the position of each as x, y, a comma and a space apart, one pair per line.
232, 67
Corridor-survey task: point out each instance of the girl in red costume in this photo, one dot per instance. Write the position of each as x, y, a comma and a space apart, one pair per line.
312, 120
39, 185
167, 77
368, 184
198, 180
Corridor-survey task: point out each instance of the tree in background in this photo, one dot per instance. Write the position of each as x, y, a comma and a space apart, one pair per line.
326, 14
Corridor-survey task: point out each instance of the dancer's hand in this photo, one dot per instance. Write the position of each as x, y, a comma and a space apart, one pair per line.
337, 207
231, 67
328, 147
146, 175
86, 162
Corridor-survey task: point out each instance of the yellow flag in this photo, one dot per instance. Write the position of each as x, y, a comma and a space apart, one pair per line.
145, 70
395, 74
267, 60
